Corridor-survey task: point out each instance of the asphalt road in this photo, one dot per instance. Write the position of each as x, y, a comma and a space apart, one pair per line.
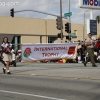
21, 85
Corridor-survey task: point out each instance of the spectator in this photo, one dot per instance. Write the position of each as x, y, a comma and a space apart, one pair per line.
98, 46
83, 52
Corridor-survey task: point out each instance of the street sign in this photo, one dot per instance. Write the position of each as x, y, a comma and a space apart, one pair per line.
73, 34
68, 14
92, 27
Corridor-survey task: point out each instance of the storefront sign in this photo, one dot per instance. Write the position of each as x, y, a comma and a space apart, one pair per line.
89, 4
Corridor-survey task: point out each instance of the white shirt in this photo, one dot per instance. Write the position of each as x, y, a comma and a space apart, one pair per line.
7, 45
89, 40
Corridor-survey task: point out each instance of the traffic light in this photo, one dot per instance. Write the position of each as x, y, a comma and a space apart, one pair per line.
68, 37
58, 23
12, 12
68, 27
59, 35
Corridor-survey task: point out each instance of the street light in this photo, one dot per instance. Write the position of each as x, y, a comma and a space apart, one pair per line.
84, 24
69, 20
61, 20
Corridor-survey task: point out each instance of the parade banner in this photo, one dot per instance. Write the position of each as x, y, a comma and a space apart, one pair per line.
33, 52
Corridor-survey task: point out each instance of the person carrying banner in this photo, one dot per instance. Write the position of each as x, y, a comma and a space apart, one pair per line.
6, 49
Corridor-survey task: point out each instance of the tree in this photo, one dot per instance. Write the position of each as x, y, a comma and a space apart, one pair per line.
98, 19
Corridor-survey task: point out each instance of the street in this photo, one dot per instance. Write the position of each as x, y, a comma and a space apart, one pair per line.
51, 50
38, 81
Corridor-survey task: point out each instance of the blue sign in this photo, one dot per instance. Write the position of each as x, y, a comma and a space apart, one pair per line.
93, 27
91, 2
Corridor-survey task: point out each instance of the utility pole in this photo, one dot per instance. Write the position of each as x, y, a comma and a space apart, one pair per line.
84, 33
69, 20
61, 19
91, 14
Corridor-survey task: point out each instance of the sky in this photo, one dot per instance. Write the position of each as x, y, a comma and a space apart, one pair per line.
49, 6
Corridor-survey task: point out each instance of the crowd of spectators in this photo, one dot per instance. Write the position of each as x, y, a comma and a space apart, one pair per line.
82, 50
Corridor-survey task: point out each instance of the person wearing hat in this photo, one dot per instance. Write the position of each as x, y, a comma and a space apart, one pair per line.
90, 49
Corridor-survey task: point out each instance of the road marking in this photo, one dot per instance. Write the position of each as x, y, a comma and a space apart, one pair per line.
64, 77
33, 95
69, 77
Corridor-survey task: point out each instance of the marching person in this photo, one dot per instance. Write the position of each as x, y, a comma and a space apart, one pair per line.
90, 49
6, 49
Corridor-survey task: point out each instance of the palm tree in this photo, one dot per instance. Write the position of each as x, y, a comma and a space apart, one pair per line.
98, 19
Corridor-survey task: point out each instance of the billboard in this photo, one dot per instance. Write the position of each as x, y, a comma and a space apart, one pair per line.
89, 4
92, 27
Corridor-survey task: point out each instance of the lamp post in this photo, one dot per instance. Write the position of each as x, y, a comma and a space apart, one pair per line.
61, 20
84, 24
69, 19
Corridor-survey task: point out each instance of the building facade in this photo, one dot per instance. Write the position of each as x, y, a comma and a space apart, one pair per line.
32, 30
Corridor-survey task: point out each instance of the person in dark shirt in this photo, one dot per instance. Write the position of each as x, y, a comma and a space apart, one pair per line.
83, 52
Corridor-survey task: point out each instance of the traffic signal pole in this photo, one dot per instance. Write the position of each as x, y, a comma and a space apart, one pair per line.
61, 20
40, 12
69, 19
